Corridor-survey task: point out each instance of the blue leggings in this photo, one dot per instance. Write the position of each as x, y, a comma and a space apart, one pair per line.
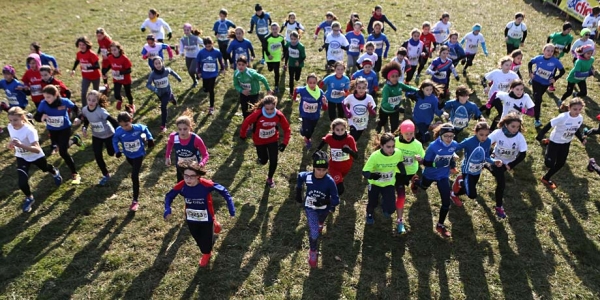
443, 186
164, 100
315, 217
469, 185
308, 127
423, 134
388, 199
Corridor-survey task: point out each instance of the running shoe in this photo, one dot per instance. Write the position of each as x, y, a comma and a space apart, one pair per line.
548, 183
76, 179
204, 260
456, 184
134, 206
57, 178
442, 230
500, 212
313, 258
27, 204
455, 200
104, 180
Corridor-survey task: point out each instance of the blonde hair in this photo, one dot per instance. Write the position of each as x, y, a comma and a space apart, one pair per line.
186, 118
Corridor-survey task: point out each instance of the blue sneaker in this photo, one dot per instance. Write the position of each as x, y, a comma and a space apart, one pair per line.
104, 180
537, 123
401, 229
370, 220
27, 204
57, 178
262, 61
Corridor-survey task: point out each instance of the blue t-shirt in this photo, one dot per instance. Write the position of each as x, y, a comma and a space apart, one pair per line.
545, 68
379, 41
441, 156
310, 108
318, 189
237, 49
355, 40
156, 50
460, 114
336, 88
131, 141
326, 27
372, 79
476, 155
425, 109
443, 68
455, 50
58, 117
208, 62
15, 97
262, 24
221, 30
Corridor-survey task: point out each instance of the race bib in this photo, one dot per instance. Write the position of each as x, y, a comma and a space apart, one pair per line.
559, 47
475, 168
339, 155
460, 122
222, 37
245, 86
503, 87
162, 82
360, 122
385, 177
86, 67
354, 47
23, 152
378, 44
275, 47
336, 51
262, 30
409, 160
310, 202
104, 52
473, 47
414, 60
55, 121
337, 94
209, 67
197, 215
36, 90
568, 135
515, 34
505, 153
393, 101
441, 75
12, 100
191, 49
545, 74
310, 107
155, 31
152, 55
186, 159
132, 146
97, 127
294, 53
117, 75
266, 133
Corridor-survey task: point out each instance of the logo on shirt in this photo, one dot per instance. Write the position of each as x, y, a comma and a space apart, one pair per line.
425, 106
359, 109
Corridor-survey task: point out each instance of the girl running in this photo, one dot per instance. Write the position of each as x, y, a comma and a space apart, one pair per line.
267, 119
336, 88
335, 45
517, 56
121, 74
562, 43
584, 68
427, 106
516, 100
273, 45
321, 198
583, 41
221, 30
90, 67
356, 42
439, 69
368, 74
13, 89
189, 147
190, 44
262, 20
380, 170
437, 161
566, 126
156, 26
378, 16
391, 99
102, 125
325, 25
159, 77
354, 17
515, 33
461, 109
456, 51
32, 79
591, 21
48, 77
343, 152
441, 29
208, 61
473, 39
358, 106
294, 55
378, 38
312, 100
413, 153
545, 75
239, 46
25, 142
54, 111
247, 82
104, 42
45, 59
132, 138
153, 49
290, 25
499, 79
414, 49
428, 40
199, 210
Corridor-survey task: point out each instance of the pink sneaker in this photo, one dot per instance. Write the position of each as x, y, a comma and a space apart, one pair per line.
313, 258
204, 260
134, 206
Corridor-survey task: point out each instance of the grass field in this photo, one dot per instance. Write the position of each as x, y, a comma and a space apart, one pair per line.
81, 242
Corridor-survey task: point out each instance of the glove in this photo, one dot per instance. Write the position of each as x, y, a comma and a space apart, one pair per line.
375, 176
150, 143
332, 209
457, 77
169, 35
347, 150
166, 213
118, 154
321, 49
282, 147
412, 96
143, 29
398, 109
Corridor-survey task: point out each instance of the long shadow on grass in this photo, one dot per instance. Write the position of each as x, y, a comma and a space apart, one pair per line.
575, 187
222, 120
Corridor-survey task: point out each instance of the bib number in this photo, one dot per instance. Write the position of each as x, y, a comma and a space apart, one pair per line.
337, 94
338, 155
55, 121
310, 107
12, 100
393, 101
209, 67
460, 122
197, 215
97, 127
294, 53
441, 75
132, 146
36, 90
545, 74
385, 177
162, 83
262, 30
475, 168
266, 133
245, 86
117, 75
360, 122
222, 37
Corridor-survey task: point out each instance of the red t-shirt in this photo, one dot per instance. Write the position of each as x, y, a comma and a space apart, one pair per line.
335, 149
105, 46
86, 60
118, 64
265, 129
428, 40
33, 79
60, 84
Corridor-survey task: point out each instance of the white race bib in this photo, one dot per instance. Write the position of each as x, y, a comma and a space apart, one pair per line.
378, 44
545, 74
86, 67
222, 37
460, 122
393, 101
275, 47
245, 86
475, 168
209, 67
409, 160
360, 122
162, 82
198, 215
104, 52
262, 30
117, 75
55, 121
294, 53
441, 75
266, 133
337, 94
132, 146
36, 90
354, 47
97, 127
310, 107
339, 155
12, 100
385, 177
506, 154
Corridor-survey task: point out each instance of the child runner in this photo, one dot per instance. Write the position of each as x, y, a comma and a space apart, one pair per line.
566, 125
102, 125
391, 99
152, 50
312, 99
294, 55
545, 75
221, 30
583, 41
199, 210
473, 39
592, 21
380, 170
427, 106
354, 17
48, 77
342, 149
45, 59
325, 25
273, 45
336, 87
441, 29
189, 147
190, 44
461, 109
499, 81
437, 160
357, 107
290, 25
335, 45
32, 79
156, 25
13, 89
121, 74
378, 16
428, 40
515, 33
132, 137
262, 20
369, 53
321, 198
368, 74
247, 82
511, 149
517, 56
402, 60
54, 111
159, 77
516, 100
414, 49
562, 43
356, 42
208, 62
90, 67
456, 51
439, 69
267, 119
413, 153
378, 39
239, 46
25, 142
104, 42
584, 68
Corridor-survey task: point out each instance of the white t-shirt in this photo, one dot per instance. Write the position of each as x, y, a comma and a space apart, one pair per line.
156, 28
472, 42
516, 31
403, 65
441, 31
500, 80
359, 110
27, 135
362, 57
590, 22
506, 148
335, 51
414, 52
289, 28
509, 103
565, 127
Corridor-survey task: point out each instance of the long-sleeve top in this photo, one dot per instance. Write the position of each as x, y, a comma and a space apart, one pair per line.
460, 113
516, 32
208, 62
379, 40
476, 155
336, 88
266, 127
131, 141
381, 18
249, 80
439, 70
15, 97
456, 51
545, 69
150, 53
160, 80
57, 113
238, 48
262, 23
321, 193
294, 53
392, 95
310, 107
101, 123
582, 70
371, 77
190, 45
192, 148
46, 59
198, 200
426, 108
221, 29
156, 27
437, 159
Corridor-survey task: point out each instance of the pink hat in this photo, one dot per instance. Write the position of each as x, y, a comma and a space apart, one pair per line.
407, 126
8, 69
187, 26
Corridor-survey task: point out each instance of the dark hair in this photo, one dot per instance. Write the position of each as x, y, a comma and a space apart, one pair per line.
154, 12
124, 117
436, 131
312, 75
402, 51
515, 83
392, 65
462, 90
118, 46
516, 53
242, 58
574, 101
192, 166
36, 46
207, 40
103, 32
437, 89
443, 48
51, 90
49, 69
223, 12
445, 15
483, 125
84, 40
380, 140
512, 117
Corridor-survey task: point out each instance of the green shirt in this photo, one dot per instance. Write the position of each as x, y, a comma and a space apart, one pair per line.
409, 151
274, 47
392, 95
581, 67
294, 54
386, 165
560, 41
249, 79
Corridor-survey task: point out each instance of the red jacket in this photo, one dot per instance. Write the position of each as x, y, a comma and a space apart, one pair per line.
265, 129
33, 79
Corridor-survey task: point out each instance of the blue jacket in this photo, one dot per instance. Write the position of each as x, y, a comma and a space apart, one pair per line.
476, 155
460, 114
58, 116
310, 108
318, 191
426, 108
440, 156
132, 141
198, 200
15, 97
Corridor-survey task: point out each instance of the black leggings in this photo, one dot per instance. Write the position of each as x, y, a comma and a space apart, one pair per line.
335, 110
393, 117
510, 48
97, 145
274, 67
498, 173
555, 157
538, 95
469, 185
61, 139
202, 232
355, 133
410, 73
190, 65
223, 48
422, 62
136, 166
443, 186
570, 85
245, 101
209, 86
23, 172
470, 58
294, 74
268, 153
308, 127
164, 101
127, 88
261, 38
